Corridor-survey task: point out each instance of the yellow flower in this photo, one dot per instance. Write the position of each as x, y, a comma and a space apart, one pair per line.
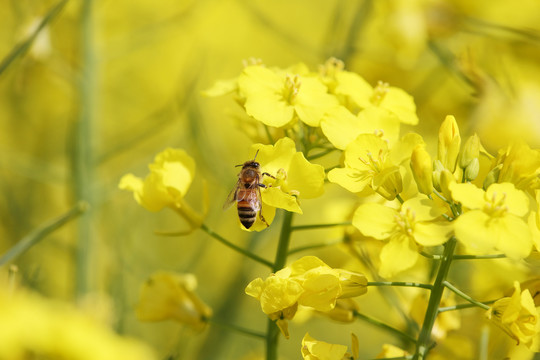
295, 178
278, 98
356, 93
32, 327
369, 162
341, 127
319, 350
417, 222
449, 143
519, 165
308, 282
170, 176
517, 316
495, 219
167, 295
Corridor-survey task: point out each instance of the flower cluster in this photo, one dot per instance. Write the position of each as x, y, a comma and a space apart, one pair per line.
415, 204
307, 282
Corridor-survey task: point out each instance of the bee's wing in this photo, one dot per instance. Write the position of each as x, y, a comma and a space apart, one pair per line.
232, 197
254, 198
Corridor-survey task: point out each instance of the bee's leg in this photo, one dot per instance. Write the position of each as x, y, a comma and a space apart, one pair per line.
262, 218
262, 185
267, 174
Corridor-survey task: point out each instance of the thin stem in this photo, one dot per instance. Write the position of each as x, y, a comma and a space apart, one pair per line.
272, 331
424, 338
401, 201
464, 296
313, 246
236, 248
386, 327
319, 226
38, 234
479, 257
21, 48
463, 306
400, 283
83, 156
431, 256
238, 329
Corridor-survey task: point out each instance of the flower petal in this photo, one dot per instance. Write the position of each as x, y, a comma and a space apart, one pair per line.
375, 220
399, 254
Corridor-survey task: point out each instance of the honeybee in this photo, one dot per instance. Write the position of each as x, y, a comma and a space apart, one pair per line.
247, 193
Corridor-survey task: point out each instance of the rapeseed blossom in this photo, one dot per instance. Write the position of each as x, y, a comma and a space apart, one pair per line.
494, 219
278, 98
166, 295
308, 282
415, 224
170, 177
370, 162
313, 349
295, 178
517, 316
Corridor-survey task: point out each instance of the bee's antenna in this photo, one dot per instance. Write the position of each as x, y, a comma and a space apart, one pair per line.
256, 155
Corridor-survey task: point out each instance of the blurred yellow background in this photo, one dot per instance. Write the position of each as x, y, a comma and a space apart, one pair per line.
106, 85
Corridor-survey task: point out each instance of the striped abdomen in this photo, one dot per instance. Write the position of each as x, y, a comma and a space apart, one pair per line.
248, 206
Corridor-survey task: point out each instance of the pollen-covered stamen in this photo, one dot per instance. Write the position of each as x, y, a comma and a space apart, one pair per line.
291, 88
405, 220
375, 164
331, 67
496, 207
379, 93
379, 133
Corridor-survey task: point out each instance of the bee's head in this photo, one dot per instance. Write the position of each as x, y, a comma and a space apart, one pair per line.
251, 163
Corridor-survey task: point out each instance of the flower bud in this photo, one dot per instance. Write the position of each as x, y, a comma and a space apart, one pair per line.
492, 176
449, 143
446, 179
471, 150
352, 284
422, 169
438, 167
471, 171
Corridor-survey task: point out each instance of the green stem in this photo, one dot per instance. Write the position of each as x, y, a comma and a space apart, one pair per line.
401, 201
463, 306
400, 283
21, 48
464, 296
237, 329
236, 248
35, 236
272, 331
424, 338
83, 157
319, 226
479, 257
385, 327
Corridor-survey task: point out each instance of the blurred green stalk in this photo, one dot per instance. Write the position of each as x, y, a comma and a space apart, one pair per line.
83, 159
41, 232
